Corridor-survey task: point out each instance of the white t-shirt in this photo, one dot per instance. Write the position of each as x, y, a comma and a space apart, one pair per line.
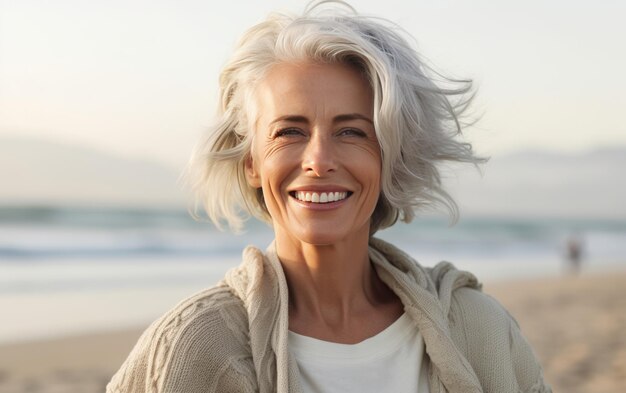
391, 361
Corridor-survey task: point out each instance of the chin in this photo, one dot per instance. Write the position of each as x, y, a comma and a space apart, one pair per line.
319, 239
326, 238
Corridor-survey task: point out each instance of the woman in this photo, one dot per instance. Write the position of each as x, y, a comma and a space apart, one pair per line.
329, 130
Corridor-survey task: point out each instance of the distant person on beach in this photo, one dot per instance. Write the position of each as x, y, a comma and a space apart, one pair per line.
574, 250
330, 128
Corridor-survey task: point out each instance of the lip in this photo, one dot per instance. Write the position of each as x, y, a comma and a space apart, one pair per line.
320, 188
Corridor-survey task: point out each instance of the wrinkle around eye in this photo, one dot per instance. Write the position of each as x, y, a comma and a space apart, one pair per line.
274, 145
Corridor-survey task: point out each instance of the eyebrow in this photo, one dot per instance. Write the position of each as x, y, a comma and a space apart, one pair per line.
336, 119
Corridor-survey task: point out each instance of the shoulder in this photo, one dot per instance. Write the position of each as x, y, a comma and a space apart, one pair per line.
469, 310
493, 343
199, 345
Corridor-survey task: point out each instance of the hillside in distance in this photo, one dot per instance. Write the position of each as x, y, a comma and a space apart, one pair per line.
40, 172
525, 184
535, 184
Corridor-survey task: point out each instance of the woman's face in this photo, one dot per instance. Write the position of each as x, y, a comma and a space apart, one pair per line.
315, 152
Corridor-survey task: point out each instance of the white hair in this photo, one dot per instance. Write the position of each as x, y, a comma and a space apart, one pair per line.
416, 113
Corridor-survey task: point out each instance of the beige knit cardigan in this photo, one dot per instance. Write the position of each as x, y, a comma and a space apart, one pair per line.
233, 337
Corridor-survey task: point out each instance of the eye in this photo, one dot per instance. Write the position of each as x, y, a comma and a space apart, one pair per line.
352, 132
288, 132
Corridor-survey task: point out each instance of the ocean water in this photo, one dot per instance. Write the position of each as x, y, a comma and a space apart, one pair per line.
67, 271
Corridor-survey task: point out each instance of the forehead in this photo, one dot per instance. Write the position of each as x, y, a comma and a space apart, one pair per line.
312, 89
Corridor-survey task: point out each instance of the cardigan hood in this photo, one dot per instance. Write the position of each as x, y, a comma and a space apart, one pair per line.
233, 337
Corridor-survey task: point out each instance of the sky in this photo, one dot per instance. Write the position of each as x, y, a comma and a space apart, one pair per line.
138, 78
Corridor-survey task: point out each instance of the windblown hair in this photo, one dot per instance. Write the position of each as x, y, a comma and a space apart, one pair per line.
417, 113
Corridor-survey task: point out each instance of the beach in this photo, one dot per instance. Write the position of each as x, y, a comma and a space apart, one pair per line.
575, 324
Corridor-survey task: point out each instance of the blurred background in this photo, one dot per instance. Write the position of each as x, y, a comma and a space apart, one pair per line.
101, 104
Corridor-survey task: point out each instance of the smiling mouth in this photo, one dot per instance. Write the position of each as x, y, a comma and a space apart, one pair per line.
320, 197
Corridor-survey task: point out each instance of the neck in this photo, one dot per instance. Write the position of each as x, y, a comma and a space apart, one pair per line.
329, 283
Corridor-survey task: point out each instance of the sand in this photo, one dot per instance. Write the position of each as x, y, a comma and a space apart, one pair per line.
81, 364
577, 326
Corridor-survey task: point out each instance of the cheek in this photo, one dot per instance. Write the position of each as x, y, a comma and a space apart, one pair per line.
262, 164
366, 160
274, 175
278, 162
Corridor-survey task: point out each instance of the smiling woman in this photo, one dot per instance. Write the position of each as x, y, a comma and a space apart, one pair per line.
330, 129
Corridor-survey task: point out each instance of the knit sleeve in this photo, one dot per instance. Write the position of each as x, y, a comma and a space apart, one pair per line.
527, 368
199, 346
493, 343
132, 375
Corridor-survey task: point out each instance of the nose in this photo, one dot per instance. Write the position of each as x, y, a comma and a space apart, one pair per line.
319, 157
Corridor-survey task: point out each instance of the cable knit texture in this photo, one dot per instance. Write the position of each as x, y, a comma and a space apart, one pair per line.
233, 337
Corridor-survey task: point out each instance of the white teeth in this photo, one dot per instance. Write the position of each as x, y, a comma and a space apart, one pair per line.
323, 197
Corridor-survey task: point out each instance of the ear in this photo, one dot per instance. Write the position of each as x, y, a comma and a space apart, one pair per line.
252, 176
